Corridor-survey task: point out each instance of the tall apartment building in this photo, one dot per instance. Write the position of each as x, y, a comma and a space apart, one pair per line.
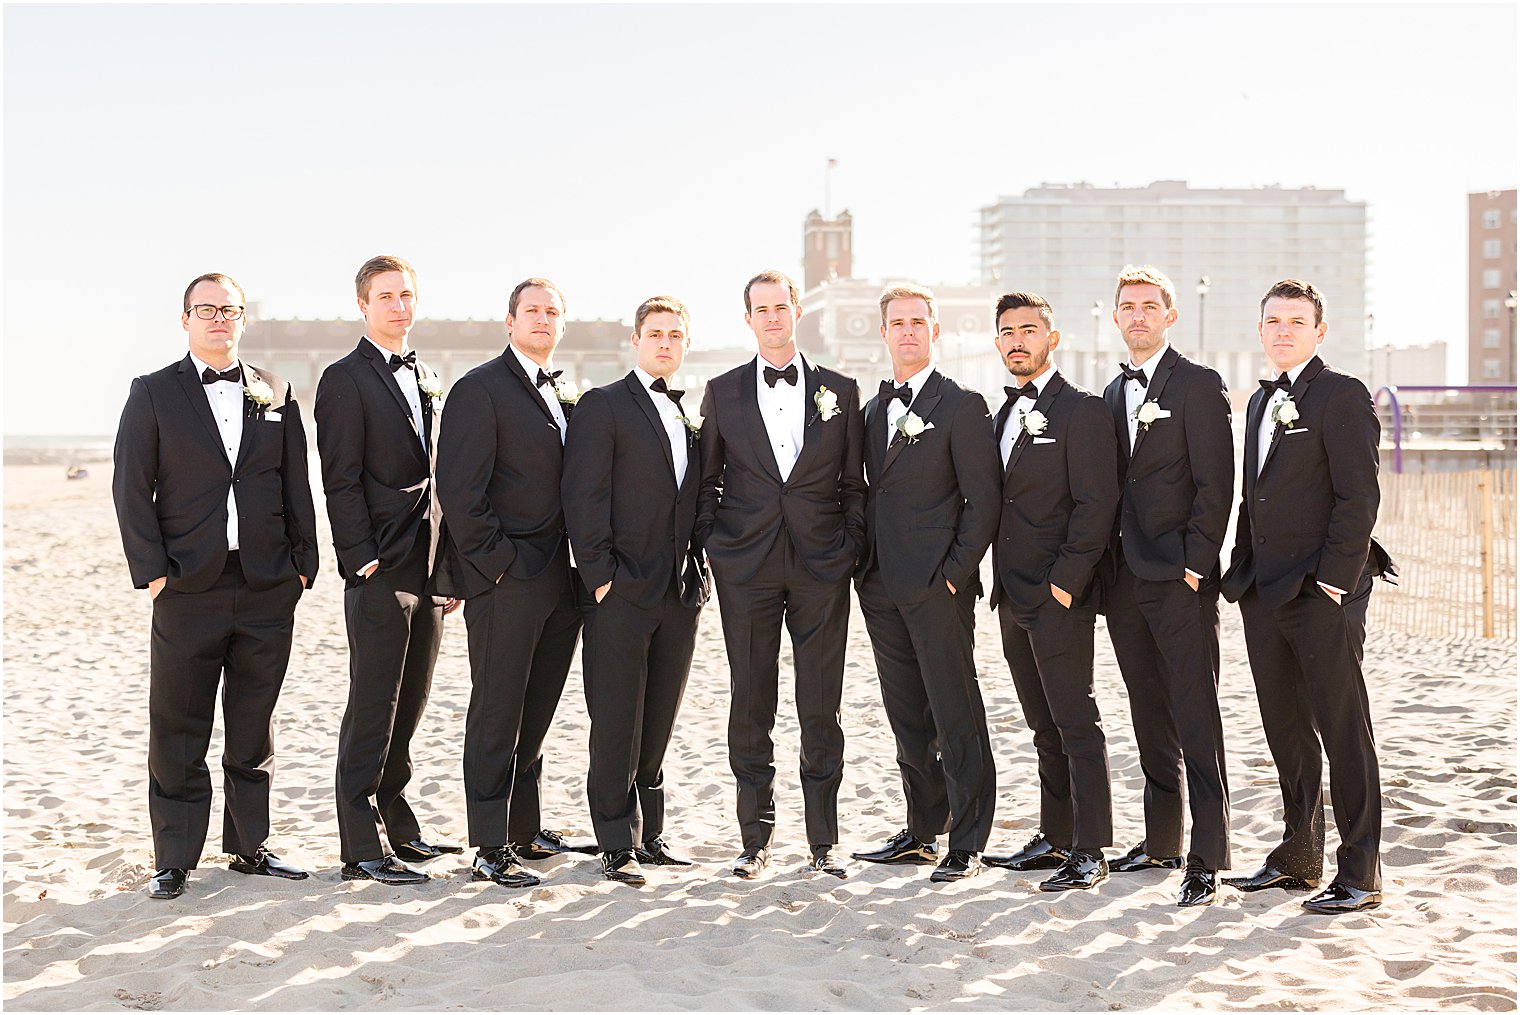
1491, 227
1067, 242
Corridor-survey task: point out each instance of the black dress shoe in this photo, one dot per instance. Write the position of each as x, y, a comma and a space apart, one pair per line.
904, 847
549, 843
1137, 859
387, 870
1081, 870
502, 866
1339, 898
1199, 885
1039, 853
621, 866
826, 861
167, 883
267, 864
657, 854
1271, 877
749, 865
418, 851
957, 865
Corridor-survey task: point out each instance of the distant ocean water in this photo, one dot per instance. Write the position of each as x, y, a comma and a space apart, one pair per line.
57, 449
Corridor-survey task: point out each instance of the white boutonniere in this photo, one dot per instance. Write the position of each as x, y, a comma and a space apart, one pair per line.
693, 423
1033, 422
567, 392
258, 392
430, 385
1147, 413
827, 403
912, 426
1285, 413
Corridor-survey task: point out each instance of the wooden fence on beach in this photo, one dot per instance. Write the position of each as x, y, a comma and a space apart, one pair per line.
1452, 537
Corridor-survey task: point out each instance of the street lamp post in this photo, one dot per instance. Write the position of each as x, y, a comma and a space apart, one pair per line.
1203, 292
1509, 302
1097, 312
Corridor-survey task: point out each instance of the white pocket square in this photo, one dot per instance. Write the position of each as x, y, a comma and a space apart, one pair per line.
1164, 414
272, 415
1302, 429
1044, 440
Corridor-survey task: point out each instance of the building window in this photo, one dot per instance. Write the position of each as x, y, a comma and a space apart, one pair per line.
1490, 249
1490, 338
1490, 369
1491, 278
1492, 218
1491, 310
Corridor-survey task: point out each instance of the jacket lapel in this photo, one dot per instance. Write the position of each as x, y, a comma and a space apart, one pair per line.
645, 401
876, 436
749, 409
1117, 404
195, 391
1153, 389
1299, 389
251, 414
810, 429
923, 405
1254, 410
381, 366
1042, 406
516, 369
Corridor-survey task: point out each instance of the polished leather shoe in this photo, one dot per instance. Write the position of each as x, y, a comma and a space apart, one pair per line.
168, 883
1137, 859
502, 866
1039, 853
1270, 877
549, 843
267, 864
656, 853
418, 851
1339, 898
621, 866
957, 865
826, 861
387, 870
1199, 885
1081, 870
903, 847
749, 865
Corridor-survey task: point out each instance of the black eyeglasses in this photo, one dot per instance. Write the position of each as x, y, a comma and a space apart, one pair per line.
207, 312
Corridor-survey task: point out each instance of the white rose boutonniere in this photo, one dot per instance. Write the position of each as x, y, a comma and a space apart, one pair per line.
1148, 413
259, 392
912, 426
693, 423
1033, 422
827, 403
567, 392
430, 385
1285, 413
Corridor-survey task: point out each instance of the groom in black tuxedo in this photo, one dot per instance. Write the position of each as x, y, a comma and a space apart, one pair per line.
630, 490
1302, 571
376, 414
500, 453
218, 525
931, 511
781, 514
1060, 489
1161, 581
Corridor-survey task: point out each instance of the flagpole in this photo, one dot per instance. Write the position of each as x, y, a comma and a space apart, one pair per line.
828, 174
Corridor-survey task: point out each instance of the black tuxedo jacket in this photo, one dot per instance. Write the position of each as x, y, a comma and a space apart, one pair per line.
172, 477
629, 523
743, 502
375, 472
1060, 494
1178, 482
931, 506
1310, 513
499, 465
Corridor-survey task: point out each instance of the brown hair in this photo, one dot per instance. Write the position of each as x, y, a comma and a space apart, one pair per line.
1297, 289
661, 305
217, 277
379, 265
906, 292
1146, 274
533, 283
1013, 301
775, 278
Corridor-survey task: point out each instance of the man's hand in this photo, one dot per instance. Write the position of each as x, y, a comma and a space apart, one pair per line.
156, 586
602, 592
451, 604
305, 582
1061, 595
1191, 580
1334, 595
949, 586
366, 572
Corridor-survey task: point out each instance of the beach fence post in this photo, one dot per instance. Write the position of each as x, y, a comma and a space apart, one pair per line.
1486, 501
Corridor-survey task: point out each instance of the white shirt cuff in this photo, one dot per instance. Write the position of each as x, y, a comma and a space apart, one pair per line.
366, 566
1193, 574
1331, 588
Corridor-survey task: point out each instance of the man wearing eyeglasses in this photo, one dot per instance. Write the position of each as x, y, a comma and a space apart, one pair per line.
218, 525
377, 411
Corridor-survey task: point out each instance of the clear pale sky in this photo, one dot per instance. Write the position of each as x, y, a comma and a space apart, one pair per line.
636, 149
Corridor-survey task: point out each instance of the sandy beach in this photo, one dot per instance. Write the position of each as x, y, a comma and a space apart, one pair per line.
80, 932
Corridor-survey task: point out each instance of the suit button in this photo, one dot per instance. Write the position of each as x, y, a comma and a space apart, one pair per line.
1010, 500
1261, 539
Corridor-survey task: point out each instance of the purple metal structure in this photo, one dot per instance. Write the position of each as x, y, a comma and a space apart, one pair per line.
1392, 391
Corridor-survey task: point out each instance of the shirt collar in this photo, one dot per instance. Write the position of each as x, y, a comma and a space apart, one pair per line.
1154, 357
201, 366
916, 382
1294, 373
385, 354
647, 379
761, 363
529, 367
1042, 380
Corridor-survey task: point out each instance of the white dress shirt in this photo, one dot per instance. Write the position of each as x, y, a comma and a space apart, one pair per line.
1014, 424
783, 409
1264, 438
545, 391
670, 415
895, 409
1134, 391
227, 407
406, 379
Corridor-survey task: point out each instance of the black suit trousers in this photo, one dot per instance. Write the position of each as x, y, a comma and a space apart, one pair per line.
1050, 655
934, 704
522, 635
818, 615
1166, 639
393, 635
635, 663
198, 637
1306, 658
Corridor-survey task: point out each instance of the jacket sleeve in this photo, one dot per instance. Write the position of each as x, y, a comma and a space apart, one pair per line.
340, 443
300, 512
133, 484
1351, 432
1092, 471
974, 455
710, 492
1211, 456
586, 489
466, 462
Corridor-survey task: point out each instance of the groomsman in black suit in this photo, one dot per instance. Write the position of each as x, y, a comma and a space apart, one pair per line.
376, 413
1060, 490
630, 491
500, 451
1302, 571
931, 511
781, 514
1161, 581
217, 522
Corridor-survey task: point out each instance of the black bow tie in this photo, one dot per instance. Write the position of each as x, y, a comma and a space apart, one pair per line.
674, 394
409, 361
1027, 391
772, 375
547, 378
1131, 374
1282, 383
209, 376
903, 393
